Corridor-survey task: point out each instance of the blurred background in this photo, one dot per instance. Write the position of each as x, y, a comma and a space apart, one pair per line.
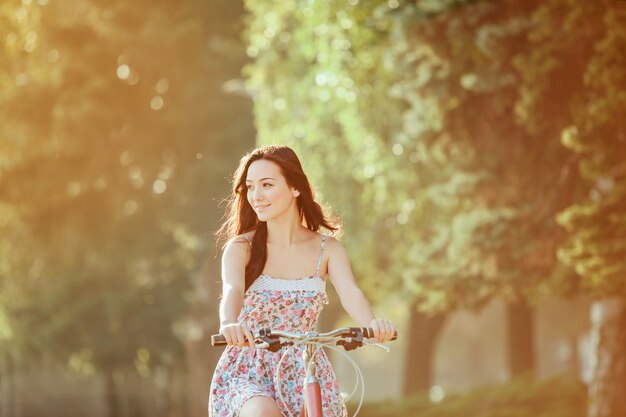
475, 150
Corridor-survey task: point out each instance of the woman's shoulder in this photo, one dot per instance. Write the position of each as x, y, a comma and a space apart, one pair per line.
332, 244
244, 239
238, 249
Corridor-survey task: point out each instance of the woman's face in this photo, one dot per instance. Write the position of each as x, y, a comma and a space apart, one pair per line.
268, 191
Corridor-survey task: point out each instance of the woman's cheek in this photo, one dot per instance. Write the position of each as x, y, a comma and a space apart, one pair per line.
270, 192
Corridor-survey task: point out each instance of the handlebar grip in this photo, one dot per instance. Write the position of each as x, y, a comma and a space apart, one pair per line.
218, 340
369, 333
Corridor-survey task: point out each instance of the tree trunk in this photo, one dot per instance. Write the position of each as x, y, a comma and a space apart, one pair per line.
423, 331
574, 360
111, 394
175, 389
608, 380
134, 394
7, 386
521, 338
331, 314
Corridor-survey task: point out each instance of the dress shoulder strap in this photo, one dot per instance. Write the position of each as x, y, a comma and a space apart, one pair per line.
319, 261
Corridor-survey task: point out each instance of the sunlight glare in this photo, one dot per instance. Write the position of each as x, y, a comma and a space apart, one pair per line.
436, 393
159, 186
123, 72
156, 103
162, 86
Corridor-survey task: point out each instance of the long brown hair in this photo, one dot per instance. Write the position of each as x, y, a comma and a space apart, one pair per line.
240, 216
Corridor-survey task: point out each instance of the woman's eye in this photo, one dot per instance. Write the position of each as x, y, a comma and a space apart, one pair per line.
250, 187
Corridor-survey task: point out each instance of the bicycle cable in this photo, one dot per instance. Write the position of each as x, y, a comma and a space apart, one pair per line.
278, 379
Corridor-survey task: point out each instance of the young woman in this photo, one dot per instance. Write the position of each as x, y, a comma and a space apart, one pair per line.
274, 270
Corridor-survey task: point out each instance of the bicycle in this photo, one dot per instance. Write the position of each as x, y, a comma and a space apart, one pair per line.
347, 337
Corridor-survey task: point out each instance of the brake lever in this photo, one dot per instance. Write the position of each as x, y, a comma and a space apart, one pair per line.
273, 344
355, 342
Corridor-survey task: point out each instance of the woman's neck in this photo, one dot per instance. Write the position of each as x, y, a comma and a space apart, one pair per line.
286, 230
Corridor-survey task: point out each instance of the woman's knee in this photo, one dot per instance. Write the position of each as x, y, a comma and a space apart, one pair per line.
259, 406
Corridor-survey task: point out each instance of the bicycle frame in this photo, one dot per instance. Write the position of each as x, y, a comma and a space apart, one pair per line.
312, 404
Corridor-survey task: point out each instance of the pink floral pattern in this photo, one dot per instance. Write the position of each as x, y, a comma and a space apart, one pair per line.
242, 373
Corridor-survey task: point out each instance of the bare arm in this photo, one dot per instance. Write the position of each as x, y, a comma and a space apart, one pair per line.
352, 298
234, 260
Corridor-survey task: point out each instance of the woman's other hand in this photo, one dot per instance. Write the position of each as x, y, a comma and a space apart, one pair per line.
237, 334
383, 330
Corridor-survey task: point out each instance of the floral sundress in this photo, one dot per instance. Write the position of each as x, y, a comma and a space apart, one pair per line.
242, 373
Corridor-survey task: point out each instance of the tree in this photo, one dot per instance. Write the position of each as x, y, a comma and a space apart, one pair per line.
412, 107
117, 137
334, 58
588, 47
520, 175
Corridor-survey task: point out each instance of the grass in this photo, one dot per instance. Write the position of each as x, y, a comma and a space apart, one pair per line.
524, 397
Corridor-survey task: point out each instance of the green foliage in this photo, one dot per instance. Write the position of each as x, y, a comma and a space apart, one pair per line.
506, 208
403, 115
523, 397
577, 60
310, 65
116, 134
597, 244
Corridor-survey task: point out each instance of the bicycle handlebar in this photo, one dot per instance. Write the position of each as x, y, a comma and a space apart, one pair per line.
268, 334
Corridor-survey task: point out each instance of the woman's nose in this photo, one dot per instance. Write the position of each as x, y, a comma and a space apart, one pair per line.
257, 194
